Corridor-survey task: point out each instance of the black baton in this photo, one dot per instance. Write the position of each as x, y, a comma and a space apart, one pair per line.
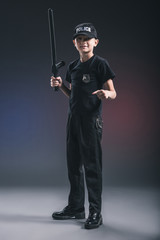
55, 66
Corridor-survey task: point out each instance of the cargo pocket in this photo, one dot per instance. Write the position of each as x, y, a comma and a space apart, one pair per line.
99, 126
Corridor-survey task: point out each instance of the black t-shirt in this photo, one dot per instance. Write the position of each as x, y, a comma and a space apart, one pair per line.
87, 77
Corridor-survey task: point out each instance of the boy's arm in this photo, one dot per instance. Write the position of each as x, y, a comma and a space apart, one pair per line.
57, 82
66, 90
108, 91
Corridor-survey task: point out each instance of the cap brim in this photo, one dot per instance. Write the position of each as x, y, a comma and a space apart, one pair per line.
88, 34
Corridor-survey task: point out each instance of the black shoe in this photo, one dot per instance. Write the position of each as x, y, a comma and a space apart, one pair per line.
94, 221
68, 213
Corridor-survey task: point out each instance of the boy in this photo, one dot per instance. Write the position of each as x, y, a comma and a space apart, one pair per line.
90, 81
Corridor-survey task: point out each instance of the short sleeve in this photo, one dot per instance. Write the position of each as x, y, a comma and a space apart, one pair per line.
68, 75
104, 71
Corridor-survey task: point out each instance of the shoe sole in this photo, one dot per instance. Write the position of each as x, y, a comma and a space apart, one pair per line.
76, 216
87, 226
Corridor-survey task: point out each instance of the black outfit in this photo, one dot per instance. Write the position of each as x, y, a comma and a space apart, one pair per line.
84, 131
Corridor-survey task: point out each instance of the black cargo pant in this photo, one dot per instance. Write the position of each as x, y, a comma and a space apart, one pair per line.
84, 135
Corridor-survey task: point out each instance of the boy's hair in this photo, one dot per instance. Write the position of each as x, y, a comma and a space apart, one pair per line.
86, 29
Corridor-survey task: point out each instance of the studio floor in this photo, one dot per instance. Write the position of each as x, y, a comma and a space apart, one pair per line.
128, 214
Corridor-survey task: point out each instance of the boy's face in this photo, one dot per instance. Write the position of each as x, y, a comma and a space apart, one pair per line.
85, 44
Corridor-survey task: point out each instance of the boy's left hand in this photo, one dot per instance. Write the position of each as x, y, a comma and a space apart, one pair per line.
102, 94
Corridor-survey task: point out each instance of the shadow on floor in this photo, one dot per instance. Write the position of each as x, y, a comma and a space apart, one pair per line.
105, 231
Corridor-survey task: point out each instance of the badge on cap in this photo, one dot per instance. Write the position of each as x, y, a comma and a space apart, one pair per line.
83, 29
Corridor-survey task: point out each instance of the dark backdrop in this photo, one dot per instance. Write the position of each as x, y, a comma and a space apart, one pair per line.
33, 117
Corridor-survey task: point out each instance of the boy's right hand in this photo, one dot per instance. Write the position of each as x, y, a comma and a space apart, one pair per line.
56, 82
